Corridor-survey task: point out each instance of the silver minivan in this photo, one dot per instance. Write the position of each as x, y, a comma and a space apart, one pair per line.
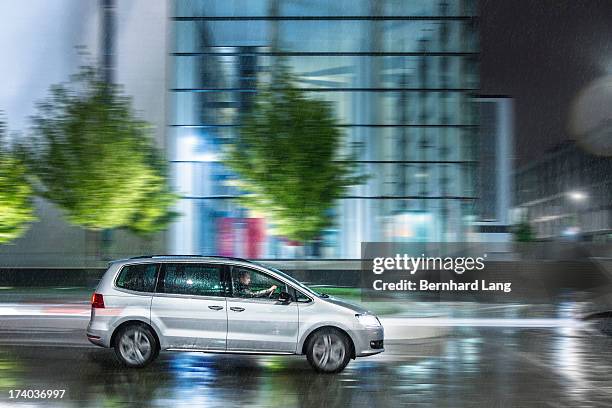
147, 304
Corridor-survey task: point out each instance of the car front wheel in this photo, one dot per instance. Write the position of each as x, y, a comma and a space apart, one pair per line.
328, 351
135, 346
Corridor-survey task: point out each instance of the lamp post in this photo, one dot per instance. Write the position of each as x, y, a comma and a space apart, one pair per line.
576, 197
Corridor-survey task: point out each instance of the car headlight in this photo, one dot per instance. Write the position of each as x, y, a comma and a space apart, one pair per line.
368, 320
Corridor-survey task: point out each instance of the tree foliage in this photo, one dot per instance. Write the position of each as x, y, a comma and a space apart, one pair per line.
523, 232
287, 159
96, 160
16, 206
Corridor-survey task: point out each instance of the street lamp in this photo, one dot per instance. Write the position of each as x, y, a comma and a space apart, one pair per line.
577, 196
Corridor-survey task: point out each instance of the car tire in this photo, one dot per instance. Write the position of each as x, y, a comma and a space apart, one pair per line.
136, 346
328, 350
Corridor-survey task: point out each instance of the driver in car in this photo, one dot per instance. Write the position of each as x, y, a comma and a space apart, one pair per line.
243, 287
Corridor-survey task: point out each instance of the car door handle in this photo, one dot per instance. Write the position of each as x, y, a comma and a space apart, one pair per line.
215, 307
237, 309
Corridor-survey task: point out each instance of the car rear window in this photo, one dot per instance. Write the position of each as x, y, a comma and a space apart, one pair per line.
191, 279
139, 278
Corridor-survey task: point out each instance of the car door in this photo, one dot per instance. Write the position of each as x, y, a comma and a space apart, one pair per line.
256, 321
189, 306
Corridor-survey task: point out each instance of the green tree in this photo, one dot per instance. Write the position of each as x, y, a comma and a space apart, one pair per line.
523, 232
287, 159
16, 207
96, 160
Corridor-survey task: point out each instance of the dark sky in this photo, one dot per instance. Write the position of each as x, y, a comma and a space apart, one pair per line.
543, 52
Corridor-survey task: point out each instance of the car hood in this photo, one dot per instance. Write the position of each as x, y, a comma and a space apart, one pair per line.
348, 305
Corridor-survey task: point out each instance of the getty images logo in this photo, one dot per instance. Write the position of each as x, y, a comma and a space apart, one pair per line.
413, 264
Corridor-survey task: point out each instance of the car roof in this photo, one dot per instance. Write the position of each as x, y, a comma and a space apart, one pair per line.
182, 258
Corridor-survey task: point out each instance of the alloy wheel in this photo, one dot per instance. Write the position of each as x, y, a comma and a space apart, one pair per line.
329, 351
134, 346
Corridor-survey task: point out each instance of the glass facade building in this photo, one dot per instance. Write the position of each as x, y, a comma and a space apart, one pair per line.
567, 193
401, 75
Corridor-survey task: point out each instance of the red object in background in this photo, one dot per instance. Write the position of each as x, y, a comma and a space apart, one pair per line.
255, 236
225, 237
250, 232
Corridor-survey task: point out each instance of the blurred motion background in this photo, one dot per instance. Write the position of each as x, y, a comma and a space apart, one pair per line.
478, 123
403, 82
401, 78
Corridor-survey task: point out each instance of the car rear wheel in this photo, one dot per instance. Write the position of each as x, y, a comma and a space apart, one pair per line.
328, 351
135, 346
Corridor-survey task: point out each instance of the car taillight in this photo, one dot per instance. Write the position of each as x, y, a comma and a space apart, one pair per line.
97, 301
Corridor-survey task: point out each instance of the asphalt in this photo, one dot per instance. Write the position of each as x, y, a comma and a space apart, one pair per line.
468, 365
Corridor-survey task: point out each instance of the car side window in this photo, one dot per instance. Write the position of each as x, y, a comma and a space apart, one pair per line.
139, 278
300, 297
249, 283
191, 279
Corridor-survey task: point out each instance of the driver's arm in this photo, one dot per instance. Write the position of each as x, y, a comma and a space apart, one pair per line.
259, 293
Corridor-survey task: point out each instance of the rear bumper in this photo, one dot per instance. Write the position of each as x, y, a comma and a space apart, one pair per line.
93, 339
98, 337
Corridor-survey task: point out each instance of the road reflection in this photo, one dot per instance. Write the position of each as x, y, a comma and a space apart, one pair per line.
470, 367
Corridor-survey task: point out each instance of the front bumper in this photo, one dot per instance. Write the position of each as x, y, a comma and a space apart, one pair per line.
369, 341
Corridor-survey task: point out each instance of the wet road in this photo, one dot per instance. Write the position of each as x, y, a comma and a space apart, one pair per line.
468, 367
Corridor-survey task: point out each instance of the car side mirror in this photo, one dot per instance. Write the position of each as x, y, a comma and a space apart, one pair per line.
284, 297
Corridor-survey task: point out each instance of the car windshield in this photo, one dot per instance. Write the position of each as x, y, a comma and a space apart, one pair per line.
296, 282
